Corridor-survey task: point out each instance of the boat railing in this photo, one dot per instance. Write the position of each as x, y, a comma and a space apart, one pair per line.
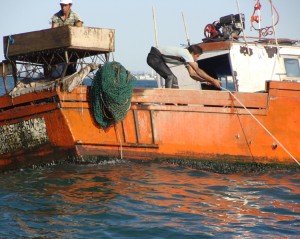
196, 99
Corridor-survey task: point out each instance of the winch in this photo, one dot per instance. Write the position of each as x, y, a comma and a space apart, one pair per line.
229, 26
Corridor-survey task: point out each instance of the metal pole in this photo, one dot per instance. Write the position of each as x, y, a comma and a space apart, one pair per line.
155, 29
186, 32
159, 78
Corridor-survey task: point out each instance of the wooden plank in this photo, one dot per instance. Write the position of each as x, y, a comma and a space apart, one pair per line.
95, 39
201, 97
30, 97
5, 101
197, 97
285, 93
81, 38
29, 42
75, 105
78, 94
8, 101
143, 119
198, 108
284, 85
215, 46
129, 130
26, 111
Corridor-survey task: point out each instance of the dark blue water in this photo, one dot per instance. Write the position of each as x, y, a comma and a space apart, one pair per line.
9, 83
146, 84
125, 199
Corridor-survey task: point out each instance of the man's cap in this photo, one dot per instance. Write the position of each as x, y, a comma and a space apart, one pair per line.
66, 2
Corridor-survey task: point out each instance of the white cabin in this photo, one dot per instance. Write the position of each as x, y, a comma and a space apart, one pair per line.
245, 66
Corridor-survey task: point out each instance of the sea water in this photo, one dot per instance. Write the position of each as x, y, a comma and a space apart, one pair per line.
131, 199
135, 199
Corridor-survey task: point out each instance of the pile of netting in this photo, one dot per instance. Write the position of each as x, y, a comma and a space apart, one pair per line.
111, 93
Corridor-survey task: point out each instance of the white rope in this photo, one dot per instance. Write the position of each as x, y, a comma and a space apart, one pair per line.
244, 37
273, 23
275, 35
81, 98
263, 127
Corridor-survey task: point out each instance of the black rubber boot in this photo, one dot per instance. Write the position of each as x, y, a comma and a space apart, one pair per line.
171, 82
168, 83
175, 83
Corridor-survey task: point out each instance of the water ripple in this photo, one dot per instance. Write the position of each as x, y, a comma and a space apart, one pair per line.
147, 200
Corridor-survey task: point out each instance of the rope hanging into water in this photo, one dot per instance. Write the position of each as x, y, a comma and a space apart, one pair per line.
111, 93
262, 126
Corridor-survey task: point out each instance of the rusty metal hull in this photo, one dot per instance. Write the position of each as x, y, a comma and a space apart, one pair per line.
38, 128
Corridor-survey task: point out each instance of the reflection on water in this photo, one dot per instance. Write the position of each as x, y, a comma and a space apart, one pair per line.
148, 200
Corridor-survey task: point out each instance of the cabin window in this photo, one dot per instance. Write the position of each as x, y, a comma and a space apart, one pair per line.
219, 67
292, 67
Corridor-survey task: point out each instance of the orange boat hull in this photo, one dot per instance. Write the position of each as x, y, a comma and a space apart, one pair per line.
162, 124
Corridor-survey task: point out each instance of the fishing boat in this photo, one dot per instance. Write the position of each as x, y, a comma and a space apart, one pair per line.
49, 114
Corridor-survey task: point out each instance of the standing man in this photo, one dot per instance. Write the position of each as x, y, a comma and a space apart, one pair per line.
66, 16
158, 57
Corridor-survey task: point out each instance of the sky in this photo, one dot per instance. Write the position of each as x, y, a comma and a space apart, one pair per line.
134, 24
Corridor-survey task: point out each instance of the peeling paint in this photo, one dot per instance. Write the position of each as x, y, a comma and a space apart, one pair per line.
271, 51
246, 51
23, 135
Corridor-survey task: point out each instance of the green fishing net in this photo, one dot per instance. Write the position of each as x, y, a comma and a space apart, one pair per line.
111, 93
